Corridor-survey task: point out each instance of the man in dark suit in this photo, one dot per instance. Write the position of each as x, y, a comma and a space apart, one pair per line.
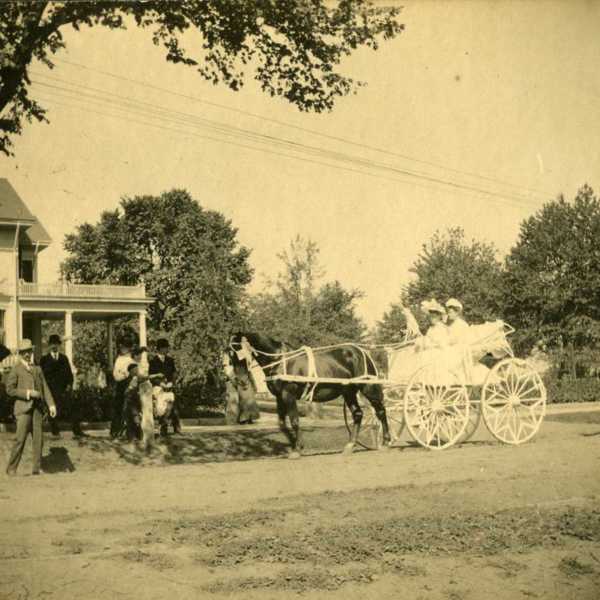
59, 377
27, 385
163, 364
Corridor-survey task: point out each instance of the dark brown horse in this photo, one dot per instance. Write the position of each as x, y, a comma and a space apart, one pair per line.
346, 361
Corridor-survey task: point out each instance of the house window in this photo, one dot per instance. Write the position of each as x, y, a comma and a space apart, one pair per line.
26, 270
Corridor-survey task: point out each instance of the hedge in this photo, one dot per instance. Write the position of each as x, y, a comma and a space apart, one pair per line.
95, 404
570, 389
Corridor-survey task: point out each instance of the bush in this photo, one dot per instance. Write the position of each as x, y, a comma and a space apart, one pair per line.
570, 389
95, 404
196, 397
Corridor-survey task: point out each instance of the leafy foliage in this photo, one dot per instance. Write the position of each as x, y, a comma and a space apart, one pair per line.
552, 276
448, 267
190, 262
297, 311
90, 341
451, 267
293, 47
392, 325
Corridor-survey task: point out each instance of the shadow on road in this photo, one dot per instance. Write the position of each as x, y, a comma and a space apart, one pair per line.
58, 461
208, 447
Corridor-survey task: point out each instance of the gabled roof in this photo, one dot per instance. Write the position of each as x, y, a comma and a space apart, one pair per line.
36, 234
12, 208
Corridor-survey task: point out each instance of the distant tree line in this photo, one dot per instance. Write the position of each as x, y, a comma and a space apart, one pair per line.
547, 287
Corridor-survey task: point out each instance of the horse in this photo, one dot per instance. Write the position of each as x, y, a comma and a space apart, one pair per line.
344, 361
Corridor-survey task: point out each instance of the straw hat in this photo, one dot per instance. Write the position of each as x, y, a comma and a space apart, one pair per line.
25, 345
454, 303
433, 306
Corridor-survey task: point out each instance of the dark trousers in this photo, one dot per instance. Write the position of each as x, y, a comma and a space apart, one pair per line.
116, 425
173, 417
60, 397
30, 422
132, 417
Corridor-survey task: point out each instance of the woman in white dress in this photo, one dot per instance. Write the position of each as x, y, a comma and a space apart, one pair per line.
429, 350
458, 328
437, 335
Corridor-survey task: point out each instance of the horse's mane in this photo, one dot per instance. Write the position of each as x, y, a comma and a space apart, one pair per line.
260, 341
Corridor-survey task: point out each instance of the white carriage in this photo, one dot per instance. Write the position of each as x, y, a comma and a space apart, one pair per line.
440, 395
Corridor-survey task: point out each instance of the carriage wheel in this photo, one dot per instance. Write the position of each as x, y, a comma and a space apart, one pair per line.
370, 435
436, 408
394, 409
513, 401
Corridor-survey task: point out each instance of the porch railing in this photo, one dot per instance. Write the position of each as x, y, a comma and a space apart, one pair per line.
61, 289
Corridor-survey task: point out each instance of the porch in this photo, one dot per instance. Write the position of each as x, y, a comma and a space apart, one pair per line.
38, 302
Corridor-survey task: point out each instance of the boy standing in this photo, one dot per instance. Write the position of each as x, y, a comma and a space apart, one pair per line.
132, 406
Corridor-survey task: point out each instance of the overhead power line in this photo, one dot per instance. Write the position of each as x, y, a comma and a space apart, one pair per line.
157, 111
307, 130
186, 133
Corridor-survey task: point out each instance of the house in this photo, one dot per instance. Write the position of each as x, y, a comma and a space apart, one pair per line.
25, 303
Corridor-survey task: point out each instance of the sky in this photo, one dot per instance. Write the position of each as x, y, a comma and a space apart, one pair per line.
506, 90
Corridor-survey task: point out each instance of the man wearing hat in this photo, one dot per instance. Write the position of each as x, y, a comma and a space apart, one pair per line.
27, 385
121, 377
162, 369
458, 328
59, 376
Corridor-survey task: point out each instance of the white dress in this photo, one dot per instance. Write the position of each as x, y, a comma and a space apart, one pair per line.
429, 353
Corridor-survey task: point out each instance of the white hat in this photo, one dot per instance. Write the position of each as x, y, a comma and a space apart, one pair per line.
25, 345
433, 306
454, 303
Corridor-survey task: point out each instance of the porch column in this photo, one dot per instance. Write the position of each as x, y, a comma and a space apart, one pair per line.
143, 333
110, 344
36, 336
69, 336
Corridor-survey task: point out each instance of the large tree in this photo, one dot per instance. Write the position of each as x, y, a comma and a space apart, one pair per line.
188, 258
552, 276
451, 266
296, 309
293, 47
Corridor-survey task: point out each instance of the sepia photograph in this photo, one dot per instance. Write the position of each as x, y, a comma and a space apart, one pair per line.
300, 299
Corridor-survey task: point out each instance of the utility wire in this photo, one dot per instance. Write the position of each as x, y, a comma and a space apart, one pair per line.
304, 129
187, 133
228, 130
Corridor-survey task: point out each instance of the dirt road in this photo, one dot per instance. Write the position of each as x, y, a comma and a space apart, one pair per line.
480, 521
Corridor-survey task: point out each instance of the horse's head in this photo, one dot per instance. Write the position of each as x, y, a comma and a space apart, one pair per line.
243, 347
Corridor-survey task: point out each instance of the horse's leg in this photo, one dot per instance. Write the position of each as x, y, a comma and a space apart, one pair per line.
374, 394
357, 415
291, 403
282, 413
